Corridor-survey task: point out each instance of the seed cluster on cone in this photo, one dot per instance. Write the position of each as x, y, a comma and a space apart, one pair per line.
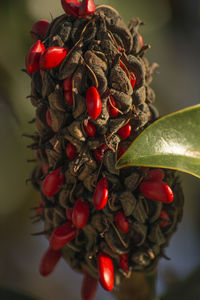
90, 86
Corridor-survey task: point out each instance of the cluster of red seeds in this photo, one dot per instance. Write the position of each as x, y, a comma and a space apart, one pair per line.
151, 186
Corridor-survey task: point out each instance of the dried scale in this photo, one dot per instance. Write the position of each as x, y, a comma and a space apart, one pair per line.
90, 88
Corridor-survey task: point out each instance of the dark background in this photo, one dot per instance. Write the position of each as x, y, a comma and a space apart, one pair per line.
173, 30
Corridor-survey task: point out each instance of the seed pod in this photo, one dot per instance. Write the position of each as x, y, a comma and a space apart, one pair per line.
52, 57
49, 261
69, 64
106, 271
101, 194
62, 235
120, 81
80, 213
52, 183
93, 102
157, 190
39, 29
33, 57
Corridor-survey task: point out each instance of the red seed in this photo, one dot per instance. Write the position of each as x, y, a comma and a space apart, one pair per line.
69, 211
52, 183
39, 29
45, 168
101, 194
99, 152
124, 131
89, 127
80, 213
164, 215
87, 7
68, 97
132, 79
123, 67
106, 271
123, 263
157, 190
121, 151
39, 210
62, 235
71, 7
48, 118
70, 151
33, 57
67, 84
141, 40
113, 112
49, 261
93, 102
52, 57
89, 287
155, 174
121, 221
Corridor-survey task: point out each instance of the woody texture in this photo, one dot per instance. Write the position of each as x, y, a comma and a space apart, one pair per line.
90, 86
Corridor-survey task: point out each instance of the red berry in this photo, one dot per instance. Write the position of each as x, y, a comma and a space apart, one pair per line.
89, 127
67, 84
121, 151
71, 7
99, 152
121, 221
113, 112
106, 271
132, 79
93, 102
62, 235
101, 194
39, 29
89, 287
49, 261
123, 67
123, 263
33, 57
157, 190
87, 7
69, 211
80, 213
52, 57
52, 183
141, 40
68, 97
39, 210
155, 174
48, 118
70, 151
164, 215
124, 131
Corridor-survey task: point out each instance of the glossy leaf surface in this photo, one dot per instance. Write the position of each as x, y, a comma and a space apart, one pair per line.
171, 142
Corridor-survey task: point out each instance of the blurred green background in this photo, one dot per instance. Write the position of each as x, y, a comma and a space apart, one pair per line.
173, 30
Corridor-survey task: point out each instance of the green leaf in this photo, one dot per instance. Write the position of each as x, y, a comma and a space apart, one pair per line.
172, 142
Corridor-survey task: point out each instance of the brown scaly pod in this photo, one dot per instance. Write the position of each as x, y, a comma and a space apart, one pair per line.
89, 108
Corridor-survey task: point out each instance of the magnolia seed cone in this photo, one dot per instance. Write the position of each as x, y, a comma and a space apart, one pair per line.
89, 108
